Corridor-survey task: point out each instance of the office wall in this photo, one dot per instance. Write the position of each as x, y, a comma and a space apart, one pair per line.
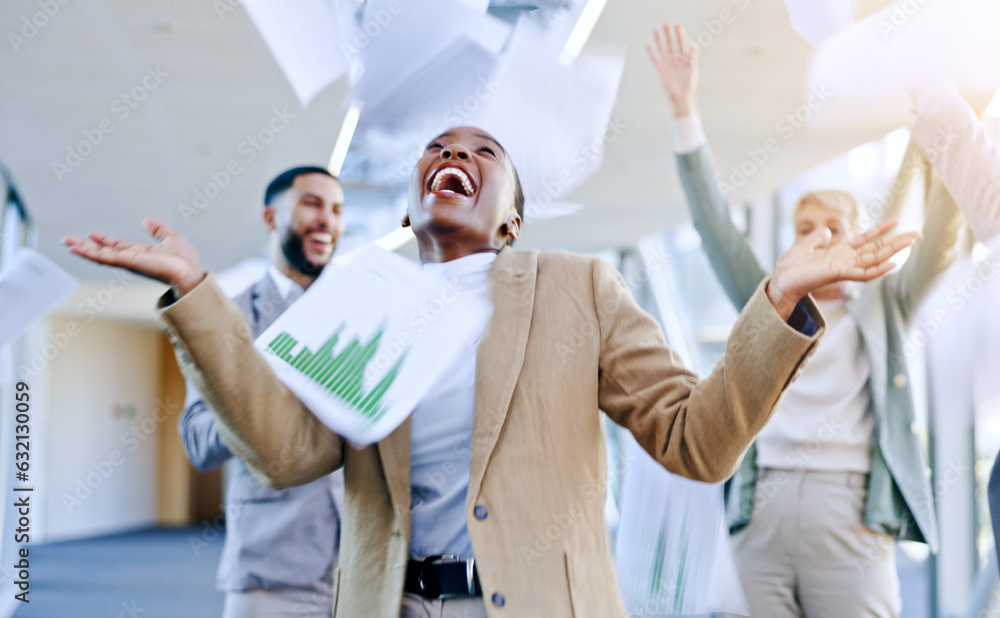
101, 429
174, 473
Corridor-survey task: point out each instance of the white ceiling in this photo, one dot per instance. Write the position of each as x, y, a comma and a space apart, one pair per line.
222, 85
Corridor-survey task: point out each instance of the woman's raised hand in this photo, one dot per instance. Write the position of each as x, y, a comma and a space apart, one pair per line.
813, 262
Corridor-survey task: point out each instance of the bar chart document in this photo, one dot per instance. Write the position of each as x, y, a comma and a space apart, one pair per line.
368, 339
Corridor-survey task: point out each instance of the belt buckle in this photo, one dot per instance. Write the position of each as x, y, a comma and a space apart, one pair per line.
470, 572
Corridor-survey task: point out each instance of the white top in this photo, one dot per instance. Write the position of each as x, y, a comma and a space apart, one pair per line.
824, 422
689, 135
441, 434
285, 285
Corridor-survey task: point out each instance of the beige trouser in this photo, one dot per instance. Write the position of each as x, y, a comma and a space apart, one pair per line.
807, 553
280, 603
415, 606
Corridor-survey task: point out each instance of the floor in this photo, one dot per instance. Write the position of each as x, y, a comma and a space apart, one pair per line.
170, 573
153, 573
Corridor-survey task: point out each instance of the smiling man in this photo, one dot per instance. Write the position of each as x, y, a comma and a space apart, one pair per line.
281, 545
303, 208
510, 444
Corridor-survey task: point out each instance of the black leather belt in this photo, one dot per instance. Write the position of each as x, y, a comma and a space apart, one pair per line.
442, 577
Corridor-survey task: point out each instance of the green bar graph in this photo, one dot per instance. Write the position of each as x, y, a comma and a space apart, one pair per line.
330, 372
301, 359
341, 374
323, 355
273, 346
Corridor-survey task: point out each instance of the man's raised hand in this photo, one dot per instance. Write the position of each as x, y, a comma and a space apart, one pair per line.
172, 260
812, 263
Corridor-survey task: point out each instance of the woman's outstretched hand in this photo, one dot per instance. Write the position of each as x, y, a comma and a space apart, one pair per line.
172, 260
812, 263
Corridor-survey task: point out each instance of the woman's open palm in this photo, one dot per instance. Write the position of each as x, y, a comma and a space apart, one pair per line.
172, 260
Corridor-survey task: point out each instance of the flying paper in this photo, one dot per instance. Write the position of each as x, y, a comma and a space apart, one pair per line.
368, 339
303, 37
29, 290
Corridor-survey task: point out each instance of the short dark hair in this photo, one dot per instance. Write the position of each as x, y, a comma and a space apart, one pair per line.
283, 181
518, 194
518, 199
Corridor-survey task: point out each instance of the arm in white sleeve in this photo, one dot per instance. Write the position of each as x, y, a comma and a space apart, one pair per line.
689, 135
961, 152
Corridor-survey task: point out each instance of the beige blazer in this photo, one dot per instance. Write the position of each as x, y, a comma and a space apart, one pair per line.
565, 342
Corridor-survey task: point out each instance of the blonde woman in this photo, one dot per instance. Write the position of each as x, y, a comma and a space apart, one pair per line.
839, 473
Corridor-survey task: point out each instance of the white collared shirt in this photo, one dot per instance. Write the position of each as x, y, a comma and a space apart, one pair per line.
688, 133
284, 284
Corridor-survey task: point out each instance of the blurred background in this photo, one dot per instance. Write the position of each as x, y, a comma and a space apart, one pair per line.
114, 109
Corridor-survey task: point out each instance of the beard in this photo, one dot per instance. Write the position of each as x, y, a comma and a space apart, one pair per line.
292, 248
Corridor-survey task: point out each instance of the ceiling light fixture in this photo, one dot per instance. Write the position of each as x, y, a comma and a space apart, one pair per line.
993, 109
395, 239
344, 138
581, 31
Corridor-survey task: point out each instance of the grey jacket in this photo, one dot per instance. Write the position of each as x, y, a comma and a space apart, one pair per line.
274, 539
899, 500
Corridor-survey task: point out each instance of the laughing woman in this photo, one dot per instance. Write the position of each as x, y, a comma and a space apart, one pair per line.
520, 428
